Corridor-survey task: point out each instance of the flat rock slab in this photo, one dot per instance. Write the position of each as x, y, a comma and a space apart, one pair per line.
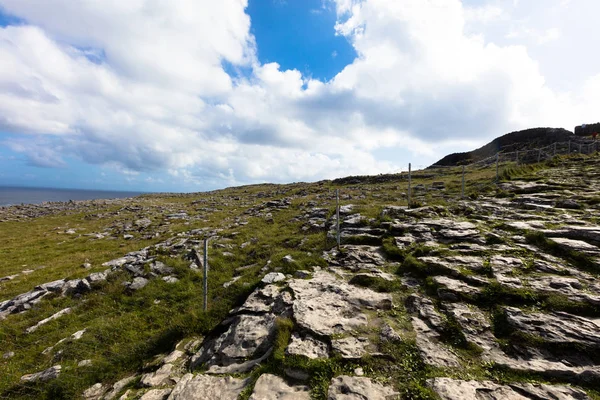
350, 347
475, 326
432, 350
452, 289
204, 387
575, 245
427, 326
356, 388
307, 346
556, 327
453, 389
327, 305
504, 265
272, 387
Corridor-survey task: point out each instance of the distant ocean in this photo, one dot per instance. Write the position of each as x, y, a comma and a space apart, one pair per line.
27, 195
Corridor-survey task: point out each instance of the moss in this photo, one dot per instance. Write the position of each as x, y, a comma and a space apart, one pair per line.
578, 259
391, 250
376, 283
363, 240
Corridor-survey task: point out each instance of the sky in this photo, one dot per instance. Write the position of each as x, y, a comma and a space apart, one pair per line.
194, 95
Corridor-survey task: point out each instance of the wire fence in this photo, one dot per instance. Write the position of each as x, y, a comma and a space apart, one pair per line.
499, 159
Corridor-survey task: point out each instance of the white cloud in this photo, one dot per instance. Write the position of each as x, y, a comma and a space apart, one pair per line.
539, 37
485, 14
140, 86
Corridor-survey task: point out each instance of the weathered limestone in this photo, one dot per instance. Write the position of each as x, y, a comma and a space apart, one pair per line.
272, 387
249, 333
118, 386
248, 336
556, 327
273, 277
94, 392
428, 325
156, 394
161, 377
350, 347
43, 376
452, 289
203, 387
307, 346
357, 388
327, 305
452, 389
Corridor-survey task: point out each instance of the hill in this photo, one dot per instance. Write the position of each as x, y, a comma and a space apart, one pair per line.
519, 140
494, 293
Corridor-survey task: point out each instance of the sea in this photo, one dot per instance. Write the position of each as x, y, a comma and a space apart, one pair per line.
31, 195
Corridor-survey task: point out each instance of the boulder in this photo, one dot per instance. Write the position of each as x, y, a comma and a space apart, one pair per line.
273, 277
43, 376
76, 287
247, 337
138, 283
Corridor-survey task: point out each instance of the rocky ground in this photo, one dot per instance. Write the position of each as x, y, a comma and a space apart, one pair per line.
495, 296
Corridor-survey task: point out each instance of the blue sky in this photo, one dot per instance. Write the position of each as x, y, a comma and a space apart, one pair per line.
297, 35
192, 95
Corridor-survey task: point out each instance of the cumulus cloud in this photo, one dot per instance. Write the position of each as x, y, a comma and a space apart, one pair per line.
142, 86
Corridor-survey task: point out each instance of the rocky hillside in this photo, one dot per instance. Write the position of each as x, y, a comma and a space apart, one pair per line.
587, 130
520, 140
492, 296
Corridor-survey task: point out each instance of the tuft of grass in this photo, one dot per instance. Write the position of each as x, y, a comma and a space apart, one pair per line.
284, 328
391, 250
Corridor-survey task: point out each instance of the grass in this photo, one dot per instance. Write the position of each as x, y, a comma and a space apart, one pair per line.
377, 284
125, 331
578, 259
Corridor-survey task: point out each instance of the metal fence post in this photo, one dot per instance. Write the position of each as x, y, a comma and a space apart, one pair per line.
409, 183
463, 182
205, 278
337, 215
497, 157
